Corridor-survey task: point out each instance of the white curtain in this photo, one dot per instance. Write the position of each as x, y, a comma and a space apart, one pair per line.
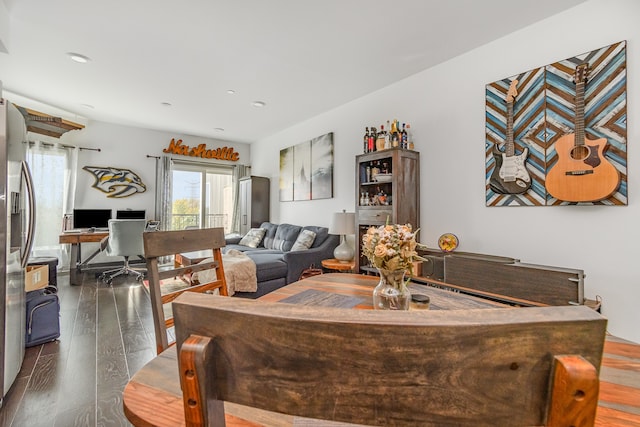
163, 191
54, 169
239, 171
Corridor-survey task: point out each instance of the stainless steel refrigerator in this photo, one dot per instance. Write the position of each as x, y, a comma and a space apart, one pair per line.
17, 213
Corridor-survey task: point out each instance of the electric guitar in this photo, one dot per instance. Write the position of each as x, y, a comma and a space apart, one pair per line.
510, 175
582, 173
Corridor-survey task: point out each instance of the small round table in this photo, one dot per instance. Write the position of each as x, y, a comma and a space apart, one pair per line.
334, 264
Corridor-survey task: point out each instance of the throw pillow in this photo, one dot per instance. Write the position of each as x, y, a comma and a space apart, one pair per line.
253, 238
304, 241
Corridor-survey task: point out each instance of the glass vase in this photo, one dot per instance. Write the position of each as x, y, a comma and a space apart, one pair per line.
392, 292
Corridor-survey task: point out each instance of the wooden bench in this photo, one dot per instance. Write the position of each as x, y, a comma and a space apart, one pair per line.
529, 366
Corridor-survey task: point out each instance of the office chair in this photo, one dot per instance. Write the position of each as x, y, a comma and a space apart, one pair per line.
125, 240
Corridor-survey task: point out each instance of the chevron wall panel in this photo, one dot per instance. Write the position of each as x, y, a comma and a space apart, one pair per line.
528, 132
544, 111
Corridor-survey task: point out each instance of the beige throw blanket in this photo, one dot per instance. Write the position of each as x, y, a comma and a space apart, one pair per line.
239, 272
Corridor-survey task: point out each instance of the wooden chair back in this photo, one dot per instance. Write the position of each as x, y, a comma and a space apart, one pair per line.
511, 366
160, 244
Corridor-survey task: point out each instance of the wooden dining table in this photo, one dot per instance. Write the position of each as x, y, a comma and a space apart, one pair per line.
153, 396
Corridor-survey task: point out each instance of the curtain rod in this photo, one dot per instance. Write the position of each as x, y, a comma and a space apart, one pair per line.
51, 144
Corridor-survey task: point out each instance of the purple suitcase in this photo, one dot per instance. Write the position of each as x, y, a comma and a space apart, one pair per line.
43, 316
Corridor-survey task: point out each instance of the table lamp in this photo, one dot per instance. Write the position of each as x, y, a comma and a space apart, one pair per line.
343, 223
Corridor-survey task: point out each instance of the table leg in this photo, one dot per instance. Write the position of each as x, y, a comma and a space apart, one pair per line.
74, 265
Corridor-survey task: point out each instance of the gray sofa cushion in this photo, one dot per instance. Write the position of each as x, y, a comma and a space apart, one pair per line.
242, 248
285, 237
269, 235
271, 265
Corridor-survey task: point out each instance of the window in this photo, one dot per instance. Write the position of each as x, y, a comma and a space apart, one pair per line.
202, 196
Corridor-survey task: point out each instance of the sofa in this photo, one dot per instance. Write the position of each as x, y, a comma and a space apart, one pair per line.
281, 252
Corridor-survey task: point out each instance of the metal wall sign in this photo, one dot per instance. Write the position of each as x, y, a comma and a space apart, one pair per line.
115, 182
220, 153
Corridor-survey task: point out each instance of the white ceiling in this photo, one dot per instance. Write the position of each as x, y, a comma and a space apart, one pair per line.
300, 57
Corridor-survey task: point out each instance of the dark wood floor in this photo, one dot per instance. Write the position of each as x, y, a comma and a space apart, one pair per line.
107, 335
105, 326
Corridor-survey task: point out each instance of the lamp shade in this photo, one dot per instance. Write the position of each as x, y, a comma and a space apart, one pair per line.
343, 223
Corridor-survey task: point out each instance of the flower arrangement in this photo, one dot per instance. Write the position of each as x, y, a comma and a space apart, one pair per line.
391, 247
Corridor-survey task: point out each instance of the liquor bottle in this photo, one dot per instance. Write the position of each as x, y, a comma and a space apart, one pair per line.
395, 139
385, 167
405, 137
366, 140
375, 170
380, 140
410, 145
372, 140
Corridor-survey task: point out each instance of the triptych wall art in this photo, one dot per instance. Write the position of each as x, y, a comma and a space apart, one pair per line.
557, 135
306, 170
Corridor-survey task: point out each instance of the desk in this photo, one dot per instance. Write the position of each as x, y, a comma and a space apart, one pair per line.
76, 239
153, 396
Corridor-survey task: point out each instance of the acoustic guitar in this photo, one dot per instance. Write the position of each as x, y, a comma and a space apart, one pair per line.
582, 173
510, 175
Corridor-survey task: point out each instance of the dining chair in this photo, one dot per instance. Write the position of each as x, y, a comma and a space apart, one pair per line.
167, 281
124, 240
511, 366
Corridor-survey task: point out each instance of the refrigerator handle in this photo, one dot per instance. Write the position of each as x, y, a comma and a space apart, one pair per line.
31, 230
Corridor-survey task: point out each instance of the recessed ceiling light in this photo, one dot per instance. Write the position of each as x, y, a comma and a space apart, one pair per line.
219, 129
231, 91
259, 104
165, 104
78, 57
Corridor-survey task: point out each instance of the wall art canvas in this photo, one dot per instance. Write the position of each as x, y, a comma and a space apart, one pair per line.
286, 174
322, 167
302, 171
557, 135
306, 170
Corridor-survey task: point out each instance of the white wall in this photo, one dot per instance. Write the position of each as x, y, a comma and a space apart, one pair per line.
445, 106
127, 148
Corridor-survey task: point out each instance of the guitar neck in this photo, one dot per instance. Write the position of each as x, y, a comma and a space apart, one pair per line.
509, 148
579, 119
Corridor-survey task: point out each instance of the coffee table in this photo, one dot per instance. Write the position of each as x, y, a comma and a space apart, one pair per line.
191, 258
355, 291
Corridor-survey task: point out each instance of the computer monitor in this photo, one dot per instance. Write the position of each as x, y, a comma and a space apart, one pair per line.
91, 218
131, 214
